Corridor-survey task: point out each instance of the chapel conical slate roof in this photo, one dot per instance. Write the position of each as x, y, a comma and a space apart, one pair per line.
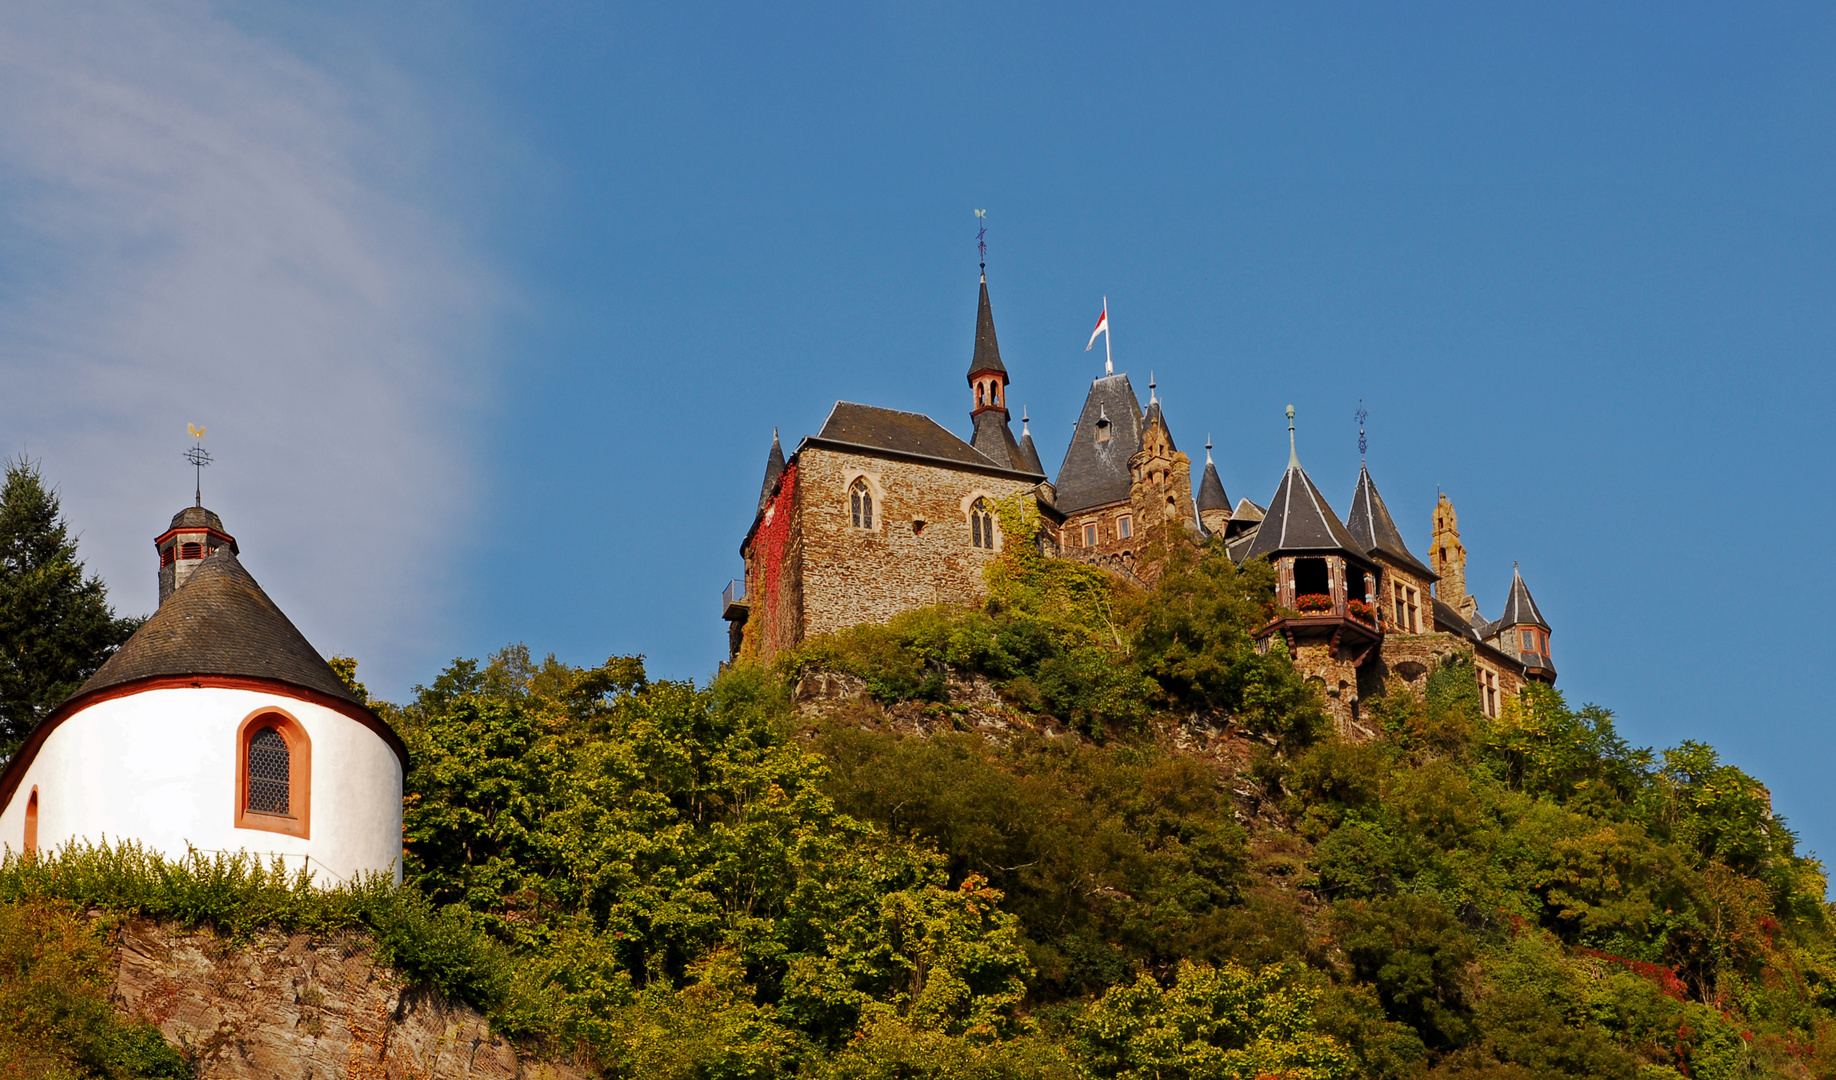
1211, 489
774, 467
221, 623
1095, 471
1155, 416
1519, 608
1371, 525
196, 517
987, 351
1299, 519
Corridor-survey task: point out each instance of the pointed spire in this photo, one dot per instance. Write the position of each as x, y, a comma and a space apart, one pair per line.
1372, 526
774, 468
1027, 449
1211, 489
1208, 448
1520, 609
1153, 398
1293, 458
987, 350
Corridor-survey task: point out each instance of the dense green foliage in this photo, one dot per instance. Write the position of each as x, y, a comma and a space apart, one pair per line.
668, 880
56, 627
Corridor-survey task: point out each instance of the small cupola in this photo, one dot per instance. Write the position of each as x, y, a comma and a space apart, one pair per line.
194, 533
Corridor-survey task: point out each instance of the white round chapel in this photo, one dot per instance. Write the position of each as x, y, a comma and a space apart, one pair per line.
216, 727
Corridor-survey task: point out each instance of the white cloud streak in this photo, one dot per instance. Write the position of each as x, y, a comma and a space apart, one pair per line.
199, 227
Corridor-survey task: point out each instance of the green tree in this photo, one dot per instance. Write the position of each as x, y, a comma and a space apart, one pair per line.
56, 627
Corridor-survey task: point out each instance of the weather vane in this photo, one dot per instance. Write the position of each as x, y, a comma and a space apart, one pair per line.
981, 232
199, 457
1361, 414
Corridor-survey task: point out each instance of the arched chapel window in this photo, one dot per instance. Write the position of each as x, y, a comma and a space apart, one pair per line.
274, 774
31, 823
981, 525
860, 501
270, 773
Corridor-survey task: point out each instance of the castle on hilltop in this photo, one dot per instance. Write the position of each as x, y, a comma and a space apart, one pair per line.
884, 511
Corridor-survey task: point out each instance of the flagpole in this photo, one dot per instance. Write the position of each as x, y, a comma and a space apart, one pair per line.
1109, 357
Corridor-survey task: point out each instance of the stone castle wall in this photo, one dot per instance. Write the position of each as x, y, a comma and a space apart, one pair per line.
919, 551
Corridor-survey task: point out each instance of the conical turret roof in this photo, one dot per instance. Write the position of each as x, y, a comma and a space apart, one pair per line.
774, 467
1519, 608
1371, 525
1299, 519
221, 623
1211, 489
987, 351
1027, 449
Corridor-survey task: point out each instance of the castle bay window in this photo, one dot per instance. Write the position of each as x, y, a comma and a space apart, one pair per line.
1312, 577
273, 774
860, 502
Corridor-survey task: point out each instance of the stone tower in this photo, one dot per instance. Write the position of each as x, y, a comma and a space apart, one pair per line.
1447, 558
1160, 496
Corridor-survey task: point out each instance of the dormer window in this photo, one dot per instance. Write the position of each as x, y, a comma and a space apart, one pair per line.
1103, 430
860, 502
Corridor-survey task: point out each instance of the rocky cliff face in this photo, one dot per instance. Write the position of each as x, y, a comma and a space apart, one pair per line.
304, 1008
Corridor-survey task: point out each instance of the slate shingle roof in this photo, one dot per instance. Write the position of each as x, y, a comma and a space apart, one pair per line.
1029, 451
870, 427
220, 622
196, 517
1096, 473
1371, 525
994, 440
987, 351
1211, 489
1299, 519
1519, 608
774, 467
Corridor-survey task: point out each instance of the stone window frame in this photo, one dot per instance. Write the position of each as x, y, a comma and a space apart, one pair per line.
966, 507
1125, 527
298, 822
874, 488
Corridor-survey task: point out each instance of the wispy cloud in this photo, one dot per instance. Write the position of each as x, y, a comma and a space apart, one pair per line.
200, 227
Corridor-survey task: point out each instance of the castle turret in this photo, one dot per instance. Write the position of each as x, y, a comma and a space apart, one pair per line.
988, 383
1523, 633
194, 533
1403, 591
1447, 558
1027, 449
1213, 504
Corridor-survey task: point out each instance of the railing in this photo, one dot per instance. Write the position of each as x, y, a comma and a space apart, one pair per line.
733, 600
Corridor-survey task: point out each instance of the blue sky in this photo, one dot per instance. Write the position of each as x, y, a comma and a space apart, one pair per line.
491, 309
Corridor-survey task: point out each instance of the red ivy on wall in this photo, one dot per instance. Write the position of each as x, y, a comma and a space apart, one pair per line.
772, 538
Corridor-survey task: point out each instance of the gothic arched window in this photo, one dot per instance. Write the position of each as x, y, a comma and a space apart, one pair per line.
273, 774
981, 525
860, 501
31, 823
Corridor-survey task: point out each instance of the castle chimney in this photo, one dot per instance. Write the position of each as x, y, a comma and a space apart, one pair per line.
194, 533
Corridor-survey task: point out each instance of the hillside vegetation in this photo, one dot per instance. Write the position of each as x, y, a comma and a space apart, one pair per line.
668, 880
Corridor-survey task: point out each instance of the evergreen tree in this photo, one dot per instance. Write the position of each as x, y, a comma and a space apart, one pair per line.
56, 627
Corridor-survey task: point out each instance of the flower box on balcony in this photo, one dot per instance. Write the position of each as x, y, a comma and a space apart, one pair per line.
1313, 604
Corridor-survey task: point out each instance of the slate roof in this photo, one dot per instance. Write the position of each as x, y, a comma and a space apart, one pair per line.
1096, 473
1028, 450
1211, 489
1446, 618
196, 517
1155, 416
1299, 519
774, 467
220, 623
1247, 511
1371, 525
1519, 608
994, 440
987, 351
870, 427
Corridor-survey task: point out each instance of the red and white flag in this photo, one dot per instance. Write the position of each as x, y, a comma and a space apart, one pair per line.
1102, 326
